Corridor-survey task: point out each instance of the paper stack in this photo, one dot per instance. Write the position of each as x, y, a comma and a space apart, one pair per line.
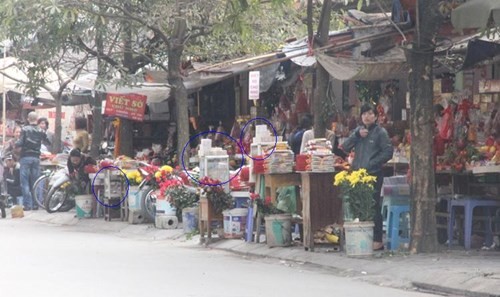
279, 162
318, 157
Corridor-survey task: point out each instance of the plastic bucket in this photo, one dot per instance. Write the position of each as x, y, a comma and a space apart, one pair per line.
84, 205
134, 198
358, 238
163, 207
278, 230
190, 218
234, 222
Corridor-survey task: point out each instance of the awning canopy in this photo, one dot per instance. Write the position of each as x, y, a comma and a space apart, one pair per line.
14, 79
156, 92
475, 14
391, 65
479, 50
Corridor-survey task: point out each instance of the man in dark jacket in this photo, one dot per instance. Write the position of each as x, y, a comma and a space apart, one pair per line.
373, 148
30, 142
12, 178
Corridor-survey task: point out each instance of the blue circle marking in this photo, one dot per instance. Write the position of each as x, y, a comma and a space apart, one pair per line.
211, 132
124, 197
275, 138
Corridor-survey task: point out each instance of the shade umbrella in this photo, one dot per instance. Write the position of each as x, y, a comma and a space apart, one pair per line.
476, 14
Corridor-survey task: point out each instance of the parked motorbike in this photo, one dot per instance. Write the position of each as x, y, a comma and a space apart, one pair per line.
61, 196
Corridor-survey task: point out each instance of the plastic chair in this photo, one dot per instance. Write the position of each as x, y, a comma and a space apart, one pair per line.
393, 228
469, 205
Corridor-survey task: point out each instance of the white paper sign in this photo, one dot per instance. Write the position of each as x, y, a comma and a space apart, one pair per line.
253, 85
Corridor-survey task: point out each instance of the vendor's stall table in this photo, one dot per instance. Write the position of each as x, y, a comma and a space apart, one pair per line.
270, 183
321, 204
206, 216
277, 180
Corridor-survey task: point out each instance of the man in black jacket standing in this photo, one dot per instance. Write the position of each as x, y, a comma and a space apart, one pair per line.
30, 143
372, 149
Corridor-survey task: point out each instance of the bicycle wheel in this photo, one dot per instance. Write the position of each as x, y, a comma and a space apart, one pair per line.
40, 190
55, 199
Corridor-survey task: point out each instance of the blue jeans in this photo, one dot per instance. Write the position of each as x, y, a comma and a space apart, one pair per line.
30, 170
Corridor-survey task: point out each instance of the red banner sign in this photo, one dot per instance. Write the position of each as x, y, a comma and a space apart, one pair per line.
129, 106
52, 115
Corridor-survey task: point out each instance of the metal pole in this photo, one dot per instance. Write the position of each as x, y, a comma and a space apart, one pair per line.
4, 102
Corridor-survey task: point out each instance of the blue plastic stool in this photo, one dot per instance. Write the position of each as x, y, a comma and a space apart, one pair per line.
392, 201
469, 205
393, 226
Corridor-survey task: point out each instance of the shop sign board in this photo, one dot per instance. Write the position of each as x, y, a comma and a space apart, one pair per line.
253, 85
489, 86
128, 106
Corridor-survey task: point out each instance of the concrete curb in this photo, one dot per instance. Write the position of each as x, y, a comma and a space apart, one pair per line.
424, 272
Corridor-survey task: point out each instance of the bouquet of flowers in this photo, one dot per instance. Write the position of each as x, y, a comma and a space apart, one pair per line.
134, 177
219, 199
357, 190
179, 195
265, 206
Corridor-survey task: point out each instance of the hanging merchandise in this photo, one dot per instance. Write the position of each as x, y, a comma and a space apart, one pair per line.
301, 103
236, 130
284, 103
445, 125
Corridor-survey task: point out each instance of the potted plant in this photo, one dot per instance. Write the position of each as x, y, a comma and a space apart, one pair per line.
278, 223
180, 196
218, 199
135, 179
357, 189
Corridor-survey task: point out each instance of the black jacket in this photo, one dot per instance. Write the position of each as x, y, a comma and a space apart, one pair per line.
79, 171
31, 140
13, 181
371, 152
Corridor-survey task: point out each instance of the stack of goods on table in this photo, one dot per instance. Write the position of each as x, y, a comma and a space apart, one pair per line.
318, 157
279, 162
275, 159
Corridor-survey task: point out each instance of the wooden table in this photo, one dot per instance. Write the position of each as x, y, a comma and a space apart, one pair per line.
273, 181
321, 204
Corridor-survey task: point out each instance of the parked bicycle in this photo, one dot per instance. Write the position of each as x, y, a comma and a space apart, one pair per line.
42, 185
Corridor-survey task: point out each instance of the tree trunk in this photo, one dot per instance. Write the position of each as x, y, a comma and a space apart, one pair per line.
98, 127
126, 131
322, 76
57, 146
420, 57
179, 92
99, 96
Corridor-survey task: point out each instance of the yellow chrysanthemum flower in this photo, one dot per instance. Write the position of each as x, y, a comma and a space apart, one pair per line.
157, 174
167, 168
138, 179
369, 179
340, 178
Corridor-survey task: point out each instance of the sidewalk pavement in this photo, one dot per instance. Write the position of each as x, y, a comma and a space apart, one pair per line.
458, 272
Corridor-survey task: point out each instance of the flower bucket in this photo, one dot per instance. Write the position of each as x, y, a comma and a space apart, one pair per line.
84, 205
190, 218
235, 222
134, 198
278, 230
358, 238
